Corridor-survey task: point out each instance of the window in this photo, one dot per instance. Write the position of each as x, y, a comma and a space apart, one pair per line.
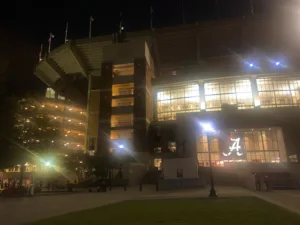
121, 134
179, 99
119, 102
278, 92
158, 163
157, 150
123, 69
293, 158
122, 120
261, 145
203, 154
61, 97
234, 92
122, 89
172, 146
50, 93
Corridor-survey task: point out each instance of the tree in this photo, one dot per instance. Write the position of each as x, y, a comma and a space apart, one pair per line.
9, 148
35, 130
24, 131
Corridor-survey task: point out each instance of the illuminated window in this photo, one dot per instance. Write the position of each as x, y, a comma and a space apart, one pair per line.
262, 145
202, 151
234, 92
121, 120
122, 89
171, 101
123, 69
158, 163
122, 102
293, 158
50, 93
121, 134
278, 92
61, 97
172, 146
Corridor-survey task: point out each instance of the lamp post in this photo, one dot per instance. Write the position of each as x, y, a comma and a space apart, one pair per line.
208, 130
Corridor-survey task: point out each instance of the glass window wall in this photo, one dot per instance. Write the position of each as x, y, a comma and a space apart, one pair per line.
121, 134
278, 92
123, 69
234, 92
171, 101
119, 102
261, 145
121, 120
50, 93
122, 89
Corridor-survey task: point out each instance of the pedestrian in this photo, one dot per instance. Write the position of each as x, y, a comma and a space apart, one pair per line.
257, 181
267, 183
104, 185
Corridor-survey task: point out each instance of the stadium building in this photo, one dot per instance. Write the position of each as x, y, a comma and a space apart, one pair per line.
152, 91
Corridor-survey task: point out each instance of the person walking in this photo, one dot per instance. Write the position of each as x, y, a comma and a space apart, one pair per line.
257, 181
267, 183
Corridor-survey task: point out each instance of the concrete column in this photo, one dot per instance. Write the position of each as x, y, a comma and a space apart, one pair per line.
105, 108
281, 145
256, 100
139, 108
202, 96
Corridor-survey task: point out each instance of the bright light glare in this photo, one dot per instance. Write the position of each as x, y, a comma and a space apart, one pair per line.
256, 102
121, 146
202, 106
277, 63
207, 127
48, 164
251, 65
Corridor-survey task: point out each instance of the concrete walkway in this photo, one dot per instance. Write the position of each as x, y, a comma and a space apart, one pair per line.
289, 200
16, 211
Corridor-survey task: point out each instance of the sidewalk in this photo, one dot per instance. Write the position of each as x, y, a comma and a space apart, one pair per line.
289, 200
16, 211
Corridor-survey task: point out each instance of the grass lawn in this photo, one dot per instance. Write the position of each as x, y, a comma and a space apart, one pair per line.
202, 211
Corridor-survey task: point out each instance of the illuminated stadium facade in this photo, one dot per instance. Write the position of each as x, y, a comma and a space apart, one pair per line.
150, 92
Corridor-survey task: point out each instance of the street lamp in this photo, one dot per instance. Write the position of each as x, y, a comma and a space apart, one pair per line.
208, 130
48, 164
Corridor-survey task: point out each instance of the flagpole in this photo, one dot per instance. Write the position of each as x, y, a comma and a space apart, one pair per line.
182, 11
151, 19
217, 9
41, 53
66, 33
49, 41
90, 31
121, 20
251, 7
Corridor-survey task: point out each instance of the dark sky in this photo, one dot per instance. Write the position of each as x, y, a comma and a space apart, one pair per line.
26, 24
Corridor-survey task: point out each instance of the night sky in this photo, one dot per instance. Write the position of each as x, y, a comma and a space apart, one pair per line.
26, 24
